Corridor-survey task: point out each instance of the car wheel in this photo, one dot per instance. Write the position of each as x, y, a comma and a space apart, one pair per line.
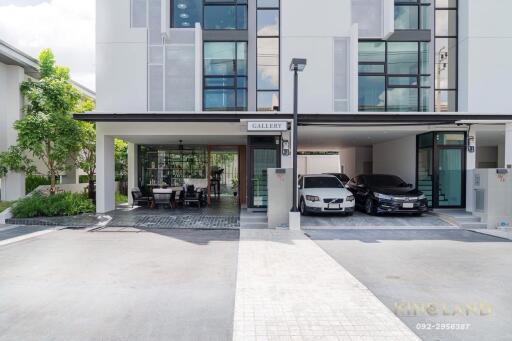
369, 208
302, 207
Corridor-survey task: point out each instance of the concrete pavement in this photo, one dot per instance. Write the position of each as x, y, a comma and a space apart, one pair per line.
430, 278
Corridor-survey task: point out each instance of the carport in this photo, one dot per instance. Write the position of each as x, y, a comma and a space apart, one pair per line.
436, 153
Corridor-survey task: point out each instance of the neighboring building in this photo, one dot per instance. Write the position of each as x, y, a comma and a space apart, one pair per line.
414, 88
15, 68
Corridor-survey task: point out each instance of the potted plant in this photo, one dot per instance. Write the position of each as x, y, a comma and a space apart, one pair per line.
234, 186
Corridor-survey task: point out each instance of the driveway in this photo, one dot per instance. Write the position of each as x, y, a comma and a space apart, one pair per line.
362, 220
75, 285
429, 278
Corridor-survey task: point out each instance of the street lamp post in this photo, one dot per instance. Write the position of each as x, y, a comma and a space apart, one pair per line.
297, 65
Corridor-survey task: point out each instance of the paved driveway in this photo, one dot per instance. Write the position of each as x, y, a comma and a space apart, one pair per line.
362, 220
75, 285
444, 269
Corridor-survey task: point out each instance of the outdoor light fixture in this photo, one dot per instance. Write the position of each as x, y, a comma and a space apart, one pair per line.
297, 65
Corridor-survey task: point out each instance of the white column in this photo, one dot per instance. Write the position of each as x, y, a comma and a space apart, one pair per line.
105, 173
470, 170
508, 145
132, 170
11, 104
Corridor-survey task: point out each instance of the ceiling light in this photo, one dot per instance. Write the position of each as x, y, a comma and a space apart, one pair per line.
185, 23
182, 6
184, 16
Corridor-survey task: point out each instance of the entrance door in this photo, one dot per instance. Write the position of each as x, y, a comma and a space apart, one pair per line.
441, 168
450, 177
262, 159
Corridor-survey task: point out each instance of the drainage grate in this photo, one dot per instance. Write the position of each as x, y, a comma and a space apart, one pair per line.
178, 222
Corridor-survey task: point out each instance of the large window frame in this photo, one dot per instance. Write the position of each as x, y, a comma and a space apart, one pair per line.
238, 79
438, 91
419, 6
419, 76
262, 8
239, 5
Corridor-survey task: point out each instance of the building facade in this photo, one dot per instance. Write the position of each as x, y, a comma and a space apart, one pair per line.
415, 88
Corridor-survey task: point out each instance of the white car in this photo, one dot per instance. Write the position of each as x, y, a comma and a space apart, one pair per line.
324, 194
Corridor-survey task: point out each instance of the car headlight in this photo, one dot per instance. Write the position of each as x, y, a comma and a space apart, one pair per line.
312, 198
422, 197
383, 196
350, 198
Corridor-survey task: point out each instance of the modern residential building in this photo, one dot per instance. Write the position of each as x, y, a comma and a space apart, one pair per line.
16, 67
416, 88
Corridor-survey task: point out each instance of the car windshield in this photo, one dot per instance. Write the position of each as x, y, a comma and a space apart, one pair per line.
322, 182
385, 181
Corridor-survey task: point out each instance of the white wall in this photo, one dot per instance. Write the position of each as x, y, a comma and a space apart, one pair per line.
304, 36
397, 157
318, 164
11, 103
121, 59
485, 43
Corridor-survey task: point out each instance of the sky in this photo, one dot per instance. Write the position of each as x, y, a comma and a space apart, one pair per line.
65, 26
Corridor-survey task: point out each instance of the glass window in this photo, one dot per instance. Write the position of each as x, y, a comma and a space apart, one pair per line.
426, 140
268, 23
425, 95
268, 3
268, 64
402, 58
403, 99
225, 76
446, 23
219, 58
268, 100
186, 13
219, 17
446, 101
425, 17
371, 68
446, 3
446, 59
406, 17
372, 93
403, 81
219, 99
372, 51
450, 139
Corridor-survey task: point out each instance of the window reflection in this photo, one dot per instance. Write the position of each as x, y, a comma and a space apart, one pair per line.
372, 93
225, 76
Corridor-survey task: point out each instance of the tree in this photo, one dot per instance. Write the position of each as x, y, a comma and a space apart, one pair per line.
121, 163
47, 131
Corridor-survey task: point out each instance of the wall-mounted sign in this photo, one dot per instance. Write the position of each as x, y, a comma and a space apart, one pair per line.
267, 126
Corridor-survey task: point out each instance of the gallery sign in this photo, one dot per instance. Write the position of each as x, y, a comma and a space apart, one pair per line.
267, 126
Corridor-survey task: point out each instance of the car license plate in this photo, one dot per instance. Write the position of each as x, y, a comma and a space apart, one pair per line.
408, 205
333, 206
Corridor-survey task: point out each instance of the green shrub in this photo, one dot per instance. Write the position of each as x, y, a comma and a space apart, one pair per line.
121, 198
5, 205
34, 181
60, 204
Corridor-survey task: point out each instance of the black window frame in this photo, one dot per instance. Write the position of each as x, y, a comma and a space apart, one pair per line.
456, 62
278, 37
420, 5
419, 75
235, 77
205, 3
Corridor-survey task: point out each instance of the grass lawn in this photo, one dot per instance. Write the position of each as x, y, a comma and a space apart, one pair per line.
5, 205
121, 199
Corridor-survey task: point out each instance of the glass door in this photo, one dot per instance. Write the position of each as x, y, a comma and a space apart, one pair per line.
262, 159
450, 177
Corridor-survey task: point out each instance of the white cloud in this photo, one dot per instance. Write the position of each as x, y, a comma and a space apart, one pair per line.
65, 26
